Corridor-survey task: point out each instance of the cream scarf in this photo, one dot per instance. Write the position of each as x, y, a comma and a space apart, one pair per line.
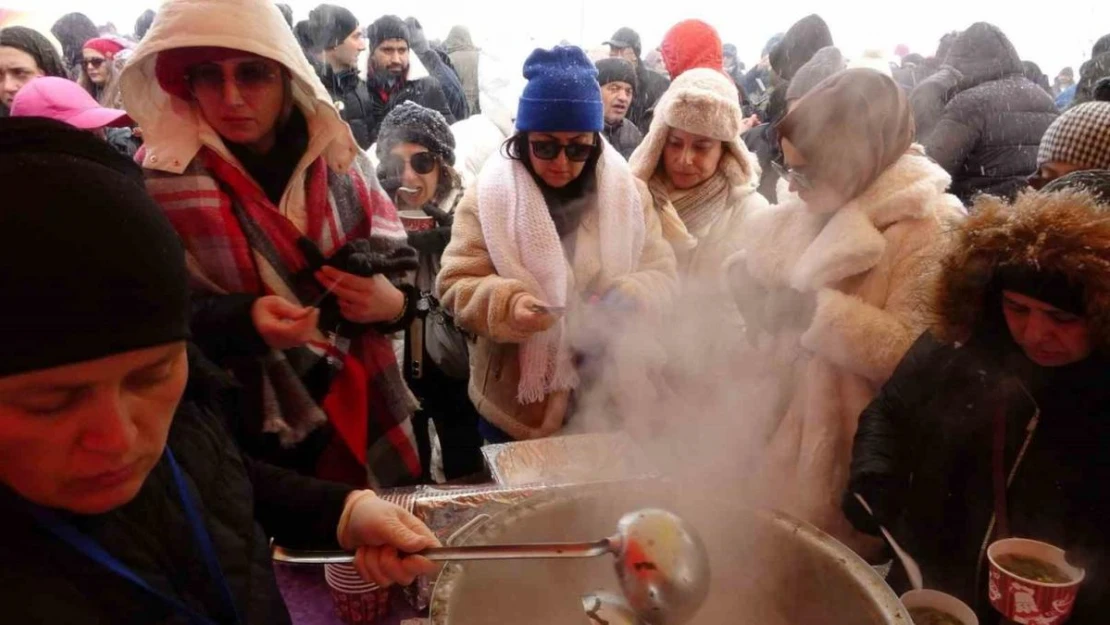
523, 245
687, 214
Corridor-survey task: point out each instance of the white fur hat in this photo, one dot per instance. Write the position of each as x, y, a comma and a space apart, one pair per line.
703, 102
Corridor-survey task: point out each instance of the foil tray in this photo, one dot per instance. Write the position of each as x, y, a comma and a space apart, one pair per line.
565, 460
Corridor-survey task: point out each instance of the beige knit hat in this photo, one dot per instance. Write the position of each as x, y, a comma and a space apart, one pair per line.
703, 102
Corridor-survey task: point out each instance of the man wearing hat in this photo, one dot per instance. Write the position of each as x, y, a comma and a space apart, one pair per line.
617, 78
625, 44
396, 77
335, 30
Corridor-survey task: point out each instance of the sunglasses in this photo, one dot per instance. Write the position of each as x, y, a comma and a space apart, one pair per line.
549, 150
421, 163
208, 78
93, 63
792, 175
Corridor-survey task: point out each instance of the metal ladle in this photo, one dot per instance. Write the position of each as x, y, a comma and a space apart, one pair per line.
661, 563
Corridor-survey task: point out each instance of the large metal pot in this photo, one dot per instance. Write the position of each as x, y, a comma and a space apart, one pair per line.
768, 569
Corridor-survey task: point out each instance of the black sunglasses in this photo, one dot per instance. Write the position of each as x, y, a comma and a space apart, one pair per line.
209, 77
422, 163
93, 63
549, 150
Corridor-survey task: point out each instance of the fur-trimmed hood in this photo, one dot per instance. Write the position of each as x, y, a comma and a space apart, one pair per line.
703, 102
1065, 233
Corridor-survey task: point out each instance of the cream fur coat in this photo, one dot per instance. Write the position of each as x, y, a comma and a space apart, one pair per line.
870, 267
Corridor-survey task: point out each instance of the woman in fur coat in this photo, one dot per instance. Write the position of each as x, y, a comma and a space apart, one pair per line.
832, 286
555, 228
702, 178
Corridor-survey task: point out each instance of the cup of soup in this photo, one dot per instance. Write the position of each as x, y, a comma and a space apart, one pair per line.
1031, 581
929, 607
416, 221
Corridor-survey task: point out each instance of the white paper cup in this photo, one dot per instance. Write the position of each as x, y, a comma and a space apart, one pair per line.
940, 601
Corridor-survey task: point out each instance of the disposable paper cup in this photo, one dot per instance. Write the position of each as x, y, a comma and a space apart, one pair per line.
356, 601
1027, 601
940, 601
417, 221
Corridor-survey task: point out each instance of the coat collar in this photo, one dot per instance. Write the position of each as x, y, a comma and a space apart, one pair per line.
807, 251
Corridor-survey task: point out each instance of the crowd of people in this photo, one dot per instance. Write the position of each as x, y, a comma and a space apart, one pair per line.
276, 281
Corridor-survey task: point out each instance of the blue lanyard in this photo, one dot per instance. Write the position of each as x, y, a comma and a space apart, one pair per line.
81, 542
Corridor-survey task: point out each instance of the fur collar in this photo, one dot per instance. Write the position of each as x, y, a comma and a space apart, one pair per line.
806, 251
1065, 233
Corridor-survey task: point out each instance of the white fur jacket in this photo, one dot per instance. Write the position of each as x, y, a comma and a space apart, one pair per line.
869, 269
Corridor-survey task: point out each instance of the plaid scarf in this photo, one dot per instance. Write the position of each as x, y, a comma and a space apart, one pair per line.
237, 241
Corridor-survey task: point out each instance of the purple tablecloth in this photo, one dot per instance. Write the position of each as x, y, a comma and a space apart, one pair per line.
309, 600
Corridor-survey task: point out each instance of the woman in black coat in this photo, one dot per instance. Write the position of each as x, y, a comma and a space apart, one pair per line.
1019, 355
123, 496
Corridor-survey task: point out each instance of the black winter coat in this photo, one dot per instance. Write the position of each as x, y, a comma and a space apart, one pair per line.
364, 107
449, 82
993, 116
243, 502
922, 457
625, 137
650, 86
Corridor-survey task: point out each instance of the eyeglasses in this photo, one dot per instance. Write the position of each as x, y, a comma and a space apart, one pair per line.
550, 150
208, 78
93, 63
421, 163
792, 175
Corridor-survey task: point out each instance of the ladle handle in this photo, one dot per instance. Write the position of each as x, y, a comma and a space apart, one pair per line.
537, 551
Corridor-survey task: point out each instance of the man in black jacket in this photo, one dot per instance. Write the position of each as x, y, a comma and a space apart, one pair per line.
1010, 386
617, 78
394, 78
123, 496
625, 44
337, 32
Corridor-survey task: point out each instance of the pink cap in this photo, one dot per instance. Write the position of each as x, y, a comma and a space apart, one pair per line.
65, 101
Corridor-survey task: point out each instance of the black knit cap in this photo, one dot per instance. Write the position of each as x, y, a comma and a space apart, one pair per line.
92, 267
387, 27
331, 24
615, 70
411, 123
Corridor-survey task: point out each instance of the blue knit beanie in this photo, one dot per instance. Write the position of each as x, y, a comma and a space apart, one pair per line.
562, 94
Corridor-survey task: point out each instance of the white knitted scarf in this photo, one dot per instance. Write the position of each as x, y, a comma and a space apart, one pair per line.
524, 245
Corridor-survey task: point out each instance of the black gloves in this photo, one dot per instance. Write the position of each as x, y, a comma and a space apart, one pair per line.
882, 493
357, 257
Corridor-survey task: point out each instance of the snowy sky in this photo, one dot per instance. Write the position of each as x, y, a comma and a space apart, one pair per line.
1052, 35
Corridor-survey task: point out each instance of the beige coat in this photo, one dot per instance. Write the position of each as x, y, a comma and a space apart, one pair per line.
482, 303
871, 267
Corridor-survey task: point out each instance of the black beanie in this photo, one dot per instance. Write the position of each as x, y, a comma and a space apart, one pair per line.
332, 24
615, 70
412, 123
387, 27
92, 267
